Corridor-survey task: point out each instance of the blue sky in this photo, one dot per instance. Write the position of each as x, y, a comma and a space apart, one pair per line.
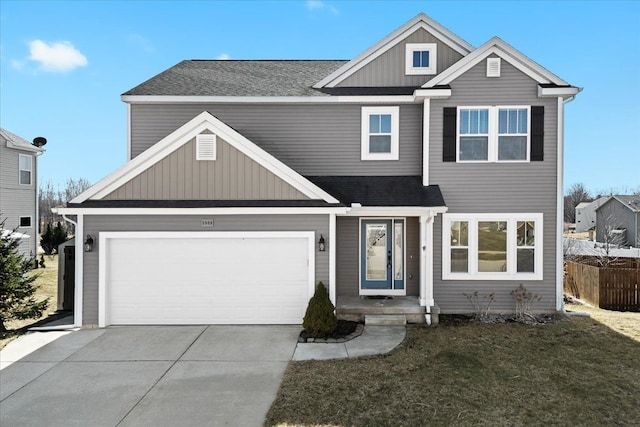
63, 65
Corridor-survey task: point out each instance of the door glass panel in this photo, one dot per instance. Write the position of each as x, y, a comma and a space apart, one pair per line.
398, 245
376, 265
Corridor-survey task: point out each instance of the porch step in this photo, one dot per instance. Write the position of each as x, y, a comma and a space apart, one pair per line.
385, 319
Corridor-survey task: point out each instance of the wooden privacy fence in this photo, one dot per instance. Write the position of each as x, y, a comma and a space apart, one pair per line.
615, 287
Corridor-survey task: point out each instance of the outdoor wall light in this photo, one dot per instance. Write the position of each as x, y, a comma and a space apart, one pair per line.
321, 245
88, 244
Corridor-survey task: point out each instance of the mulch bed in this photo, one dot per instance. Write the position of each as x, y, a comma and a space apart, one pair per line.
345, 331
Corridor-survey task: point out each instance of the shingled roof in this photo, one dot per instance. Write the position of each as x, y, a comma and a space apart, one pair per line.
239, 78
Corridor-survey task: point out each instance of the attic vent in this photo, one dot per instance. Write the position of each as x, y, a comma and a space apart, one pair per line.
493, 67
206, 147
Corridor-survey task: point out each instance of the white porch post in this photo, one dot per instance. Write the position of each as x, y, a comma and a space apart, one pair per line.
426, 264
423, 260
79, 272
332, 258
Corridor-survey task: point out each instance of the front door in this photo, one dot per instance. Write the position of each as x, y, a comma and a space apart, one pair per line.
382, 257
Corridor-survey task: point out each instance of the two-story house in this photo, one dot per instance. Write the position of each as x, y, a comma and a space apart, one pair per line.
19, 189
421, 170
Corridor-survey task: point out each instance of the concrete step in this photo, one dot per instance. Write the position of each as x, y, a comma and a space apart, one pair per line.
385, 319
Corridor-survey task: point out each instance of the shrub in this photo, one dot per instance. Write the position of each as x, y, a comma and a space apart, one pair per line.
320, 319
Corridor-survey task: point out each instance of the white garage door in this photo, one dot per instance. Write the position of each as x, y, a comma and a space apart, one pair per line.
206, 278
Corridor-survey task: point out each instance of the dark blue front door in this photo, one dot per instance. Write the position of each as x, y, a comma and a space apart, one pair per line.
382, 254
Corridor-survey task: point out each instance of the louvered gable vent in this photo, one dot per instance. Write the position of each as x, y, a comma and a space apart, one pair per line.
493, 67
206, 147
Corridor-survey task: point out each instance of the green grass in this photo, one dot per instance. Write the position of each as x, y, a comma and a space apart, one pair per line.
47, 283
572, 372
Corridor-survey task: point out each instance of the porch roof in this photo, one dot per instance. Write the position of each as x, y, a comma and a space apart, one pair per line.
380, 190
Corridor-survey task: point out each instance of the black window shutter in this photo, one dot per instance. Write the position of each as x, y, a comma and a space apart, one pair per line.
537, 134
449, 134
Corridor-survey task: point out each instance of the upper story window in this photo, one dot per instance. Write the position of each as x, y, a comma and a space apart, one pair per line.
380, 133
492, 246
421, 58
25, 169
493, 134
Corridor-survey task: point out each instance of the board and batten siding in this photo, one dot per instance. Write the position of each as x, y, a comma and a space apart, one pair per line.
94, 224
232, 176
18, 200
496, 187
314, 140
389, 68
348, 256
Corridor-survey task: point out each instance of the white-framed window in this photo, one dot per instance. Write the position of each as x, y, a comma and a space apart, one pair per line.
380, 133
421, 58
492, 246
494, 134
25, 221
25, 167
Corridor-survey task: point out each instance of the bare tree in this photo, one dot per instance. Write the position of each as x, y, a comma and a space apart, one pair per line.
609, 234
577, 193
49, 198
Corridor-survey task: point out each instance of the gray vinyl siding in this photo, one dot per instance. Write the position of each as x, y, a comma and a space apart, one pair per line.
18, 200
348, 256
613, 215
495, 187
389, 68
94, 224
311, 139
232, 176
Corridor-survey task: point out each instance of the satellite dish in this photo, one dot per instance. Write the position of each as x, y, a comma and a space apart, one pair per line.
39, 141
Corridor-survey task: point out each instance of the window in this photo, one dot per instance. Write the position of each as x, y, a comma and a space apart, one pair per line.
492, 247
493, 134
25, 221
421, 58
380, 133
25, 168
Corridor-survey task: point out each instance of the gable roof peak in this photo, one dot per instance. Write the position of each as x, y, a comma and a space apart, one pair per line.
419, 21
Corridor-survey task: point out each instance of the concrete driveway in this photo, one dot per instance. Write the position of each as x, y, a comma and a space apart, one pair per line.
149, 376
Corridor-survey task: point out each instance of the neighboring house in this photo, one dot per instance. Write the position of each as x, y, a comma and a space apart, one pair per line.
422, 169
19, 188
586, 214
618, 221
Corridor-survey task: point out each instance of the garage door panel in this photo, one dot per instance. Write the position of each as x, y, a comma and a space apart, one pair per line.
207, 280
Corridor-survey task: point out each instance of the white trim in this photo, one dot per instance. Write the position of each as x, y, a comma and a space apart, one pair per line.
560, 209
410, 48
365, 136
200, 211
493, 133
558, 91
203, 121
392, 291
23, 145
30, 221
105, 236
426, 127
424, 248
439, 93
421, 21
510, 272
128, 131
332, 258
498, 47
79, 272
394, 211
30, 170
429, 297
191, 99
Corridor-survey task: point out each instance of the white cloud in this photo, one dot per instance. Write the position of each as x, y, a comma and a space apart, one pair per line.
17, 64
319, 5
223, 56
56, 57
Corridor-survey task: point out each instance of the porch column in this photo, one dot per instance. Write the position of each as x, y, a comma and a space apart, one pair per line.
426, 261
333, 246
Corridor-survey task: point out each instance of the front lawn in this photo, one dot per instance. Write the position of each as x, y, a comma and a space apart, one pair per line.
571, 372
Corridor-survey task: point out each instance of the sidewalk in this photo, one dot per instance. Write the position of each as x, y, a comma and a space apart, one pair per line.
374, 340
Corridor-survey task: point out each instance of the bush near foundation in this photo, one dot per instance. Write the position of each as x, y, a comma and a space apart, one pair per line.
320, 319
